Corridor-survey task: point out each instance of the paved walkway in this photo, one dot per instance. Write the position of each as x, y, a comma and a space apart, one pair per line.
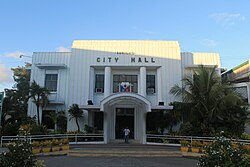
122, 155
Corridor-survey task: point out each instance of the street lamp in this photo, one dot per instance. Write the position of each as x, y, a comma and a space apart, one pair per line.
25, 56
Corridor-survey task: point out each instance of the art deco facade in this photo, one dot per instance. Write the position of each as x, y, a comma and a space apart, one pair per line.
115, 82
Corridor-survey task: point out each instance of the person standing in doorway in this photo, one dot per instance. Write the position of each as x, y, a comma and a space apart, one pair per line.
126, 132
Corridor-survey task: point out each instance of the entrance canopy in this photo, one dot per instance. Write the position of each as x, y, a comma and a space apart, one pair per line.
125, 96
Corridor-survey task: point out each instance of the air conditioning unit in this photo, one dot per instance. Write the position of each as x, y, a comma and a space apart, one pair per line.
98, 90
150, 90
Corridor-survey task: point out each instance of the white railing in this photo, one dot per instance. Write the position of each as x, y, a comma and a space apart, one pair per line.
73, 138
175, 140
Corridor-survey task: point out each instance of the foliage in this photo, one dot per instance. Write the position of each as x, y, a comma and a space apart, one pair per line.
39, 95
222, 153
184, 143
48, 143
39, 163
20, 153
245, 136
10, 129
38, 129
15, 101
172, 118
215, 106
90, 129
75, 113
60, 121
196, 144
187, 129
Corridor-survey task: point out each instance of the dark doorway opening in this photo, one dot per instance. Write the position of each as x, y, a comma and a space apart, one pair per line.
124, 118
98, 121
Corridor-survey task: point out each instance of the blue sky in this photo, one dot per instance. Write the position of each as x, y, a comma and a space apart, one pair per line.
28, 26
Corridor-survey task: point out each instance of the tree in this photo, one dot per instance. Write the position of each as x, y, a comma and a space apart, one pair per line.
76, 113
15, 102
39, 96
207, 95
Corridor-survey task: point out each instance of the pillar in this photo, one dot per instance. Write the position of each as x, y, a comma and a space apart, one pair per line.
107, 82
142, 81
159, 84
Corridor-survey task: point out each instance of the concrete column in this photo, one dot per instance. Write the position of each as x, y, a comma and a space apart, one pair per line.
159, 84
91, 83
105, 127
90, 118
144, 138
143, 81
107, 82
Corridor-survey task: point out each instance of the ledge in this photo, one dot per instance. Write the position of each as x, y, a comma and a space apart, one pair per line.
51, 66
56, 102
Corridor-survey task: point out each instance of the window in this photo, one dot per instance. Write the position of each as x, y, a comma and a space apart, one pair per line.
51, 82
129, 82
99, 83
150, 84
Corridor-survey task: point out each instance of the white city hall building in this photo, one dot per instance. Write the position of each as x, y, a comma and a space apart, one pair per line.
117, 83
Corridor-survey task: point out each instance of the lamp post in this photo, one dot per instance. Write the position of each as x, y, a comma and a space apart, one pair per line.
21, 56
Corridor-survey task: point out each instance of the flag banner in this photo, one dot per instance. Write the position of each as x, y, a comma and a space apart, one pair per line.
125, 87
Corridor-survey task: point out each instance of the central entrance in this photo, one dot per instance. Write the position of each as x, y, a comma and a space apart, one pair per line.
124, 118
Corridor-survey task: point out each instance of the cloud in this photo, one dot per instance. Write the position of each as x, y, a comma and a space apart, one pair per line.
5, 74
62, 49
14, 54
209, 43
227, 19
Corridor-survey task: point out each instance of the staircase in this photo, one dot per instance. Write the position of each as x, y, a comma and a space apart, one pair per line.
124, 150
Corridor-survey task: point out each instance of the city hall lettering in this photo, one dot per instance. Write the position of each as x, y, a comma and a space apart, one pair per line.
132, 60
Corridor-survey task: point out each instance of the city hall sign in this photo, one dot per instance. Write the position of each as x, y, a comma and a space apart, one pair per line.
132, 60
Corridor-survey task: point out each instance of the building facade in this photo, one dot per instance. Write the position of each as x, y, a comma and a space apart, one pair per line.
116, 82
239, 76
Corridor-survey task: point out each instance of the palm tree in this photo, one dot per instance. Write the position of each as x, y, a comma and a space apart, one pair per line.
76, 113
206, 93
39, 95
55, 116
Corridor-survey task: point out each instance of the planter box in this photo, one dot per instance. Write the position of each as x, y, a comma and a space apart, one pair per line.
184, 149
56, 148
37, 150
65, 147
195, 149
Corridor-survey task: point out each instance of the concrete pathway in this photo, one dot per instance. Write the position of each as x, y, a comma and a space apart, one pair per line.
122, 155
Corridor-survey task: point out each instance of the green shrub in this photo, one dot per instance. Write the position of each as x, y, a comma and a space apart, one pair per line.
10, 130
245, 136
55, 142
39, 163
38, 130
187, 129
36, 144
196, 144
64, 141
19, 154
184, 143
222, 153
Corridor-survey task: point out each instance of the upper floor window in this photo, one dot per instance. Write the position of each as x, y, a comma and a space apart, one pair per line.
125, 83
51, 82
99, 83
150, 84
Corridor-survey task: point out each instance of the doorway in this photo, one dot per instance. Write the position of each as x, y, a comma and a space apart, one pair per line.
124, 118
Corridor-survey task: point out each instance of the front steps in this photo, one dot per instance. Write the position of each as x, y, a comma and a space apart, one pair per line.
124, 150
